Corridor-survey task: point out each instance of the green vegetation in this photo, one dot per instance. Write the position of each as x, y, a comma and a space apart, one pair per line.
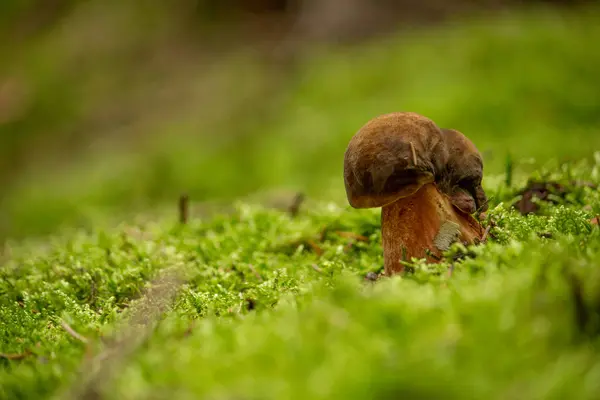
266, 314
274, 306
523, 83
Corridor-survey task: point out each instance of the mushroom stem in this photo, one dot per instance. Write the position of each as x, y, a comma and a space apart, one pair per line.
423, 221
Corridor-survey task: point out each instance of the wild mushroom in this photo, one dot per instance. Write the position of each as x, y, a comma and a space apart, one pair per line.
462, 177
426, 180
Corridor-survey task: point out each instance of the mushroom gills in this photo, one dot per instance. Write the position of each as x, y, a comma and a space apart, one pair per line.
449, 233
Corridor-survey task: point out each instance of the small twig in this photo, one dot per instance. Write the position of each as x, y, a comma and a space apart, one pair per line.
485, 203
444, 284
508, 170
486, 233
294, 208
315, 247
97, 371
323, 233
316, 268
183, 208
353, 235
414, 153
16, 357
430, 254
189, 330
348, 246
72, 332
450, 270
255, 272
93, 290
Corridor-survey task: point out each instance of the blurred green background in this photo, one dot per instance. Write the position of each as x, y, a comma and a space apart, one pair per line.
114, 107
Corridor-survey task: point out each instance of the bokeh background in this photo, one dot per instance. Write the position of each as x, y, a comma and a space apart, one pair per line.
113, 107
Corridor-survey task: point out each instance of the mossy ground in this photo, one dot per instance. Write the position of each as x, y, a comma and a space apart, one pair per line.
274, 306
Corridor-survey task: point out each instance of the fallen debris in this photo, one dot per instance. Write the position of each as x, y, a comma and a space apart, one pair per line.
255, 272
548, 191
184, 209
486, 233
15, 357
297, 201
541, 191
97, 371
73, 333
450, 270
352, 235
372, 276
315, 247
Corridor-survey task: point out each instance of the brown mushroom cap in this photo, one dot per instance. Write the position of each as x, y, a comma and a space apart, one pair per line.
464, 173
392, 156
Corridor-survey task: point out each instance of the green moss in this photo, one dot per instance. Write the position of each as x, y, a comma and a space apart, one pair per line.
263, 315
275, 306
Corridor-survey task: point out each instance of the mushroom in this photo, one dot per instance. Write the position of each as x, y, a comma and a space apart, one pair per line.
427, 181
462, 177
